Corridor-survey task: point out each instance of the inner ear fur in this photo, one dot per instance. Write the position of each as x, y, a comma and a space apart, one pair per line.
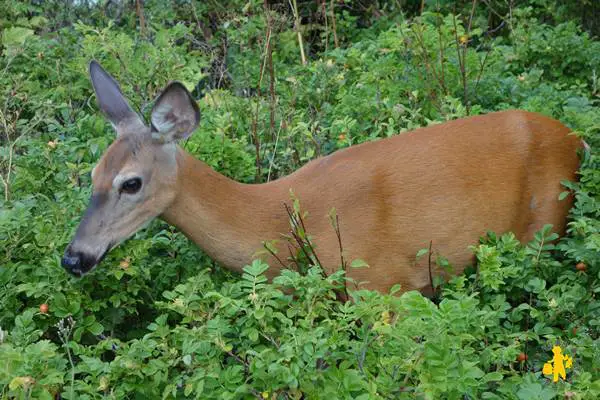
175, 114
111, 100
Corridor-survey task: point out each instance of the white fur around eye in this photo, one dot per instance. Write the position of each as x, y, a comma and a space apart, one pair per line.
119, 179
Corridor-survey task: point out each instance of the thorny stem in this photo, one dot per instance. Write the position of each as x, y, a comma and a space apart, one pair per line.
296, 221
308, 242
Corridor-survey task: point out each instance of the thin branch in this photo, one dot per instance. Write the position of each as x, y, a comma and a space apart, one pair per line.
324, 13
139, 9
272, 161
294, 7
333, 25
255, 137
433, 288
269, 61
271, 252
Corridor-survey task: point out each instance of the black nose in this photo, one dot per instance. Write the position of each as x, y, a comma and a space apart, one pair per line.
72, 263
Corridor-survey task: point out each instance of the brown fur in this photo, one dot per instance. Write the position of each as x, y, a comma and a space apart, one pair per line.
447, 184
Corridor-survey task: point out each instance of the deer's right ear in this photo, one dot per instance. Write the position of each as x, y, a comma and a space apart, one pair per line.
111, 100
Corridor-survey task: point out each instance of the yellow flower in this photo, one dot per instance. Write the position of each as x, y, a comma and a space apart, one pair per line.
178, 302
103, 384
463, 39
265, 395
547, 369
386, 318
125, 263
568, 362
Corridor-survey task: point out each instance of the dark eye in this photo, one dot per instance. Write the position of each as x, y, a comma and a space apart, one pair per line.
131, 186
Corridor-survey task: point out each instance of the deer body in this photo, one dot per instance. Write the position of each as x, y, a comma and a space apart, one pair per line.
445, 184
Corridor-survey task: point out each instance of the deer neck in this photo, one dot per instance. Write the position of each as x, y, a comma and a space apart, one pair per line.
227, 219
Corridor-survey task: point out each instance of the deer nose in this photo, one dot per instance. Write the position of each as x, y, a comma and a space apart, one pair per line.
72, 263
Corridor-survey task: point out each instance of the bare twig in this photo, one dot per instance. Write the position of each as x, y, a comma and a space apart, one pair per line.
298, 222
269, 60
433, 288
139, 9
344, 266
255, 137
430, 68
272, 161
461, 62
271, 252
481, 68
294, 6
324, 13
441, 44
333, 25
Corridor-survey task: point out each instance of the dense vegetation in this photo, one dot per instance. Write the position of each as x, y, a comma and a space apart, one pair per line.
159, 319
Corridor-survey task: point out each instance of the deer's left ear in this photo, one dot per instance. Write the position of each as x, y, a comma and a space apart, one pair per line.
175, 114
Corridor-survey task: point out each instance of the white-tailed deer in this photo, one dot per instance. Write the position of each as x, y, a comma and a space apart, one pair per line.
446, 184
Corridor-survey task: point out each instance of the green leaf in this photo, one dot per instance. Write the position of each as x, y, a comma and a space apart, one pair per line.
535, 285
535, 391
422, 252
358, 263
96, 328
15, 36
260, 313
493, 376
563, 195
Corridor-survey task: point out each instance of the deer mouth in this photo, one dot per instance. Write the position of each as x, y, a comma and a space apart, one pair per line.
79, 263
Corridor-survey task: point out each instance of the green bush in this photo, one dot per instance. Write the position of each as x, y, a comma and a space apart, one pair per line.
159, 319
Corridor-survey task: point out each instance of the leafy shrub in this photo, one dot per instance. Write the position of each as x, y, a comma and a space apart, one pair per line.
160, 319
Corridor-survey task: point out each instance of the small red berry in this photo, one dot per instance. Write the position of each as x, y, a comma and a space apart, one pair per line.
522, 357
581, 266
44, 308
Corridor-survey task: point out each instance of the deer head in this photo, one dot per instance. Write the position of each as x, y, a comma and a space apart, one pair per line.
136, 178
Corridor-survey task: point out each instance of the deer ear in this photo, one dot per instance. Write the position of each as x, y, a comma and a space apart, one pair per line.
175, 114
111, 100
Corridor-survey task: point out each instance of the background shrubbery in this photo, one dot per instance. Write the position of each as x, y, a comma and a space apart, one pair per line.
159, 319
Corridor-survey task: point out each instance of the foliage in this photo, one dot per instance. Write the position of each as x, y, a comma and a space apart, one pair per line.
159, 319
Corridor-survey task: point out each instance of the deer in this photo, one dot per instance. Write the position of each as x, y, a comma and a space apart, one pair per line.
442, 186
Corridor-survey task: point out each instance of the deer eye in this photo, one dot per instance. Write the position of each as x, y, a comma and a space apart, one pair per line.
131, 186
